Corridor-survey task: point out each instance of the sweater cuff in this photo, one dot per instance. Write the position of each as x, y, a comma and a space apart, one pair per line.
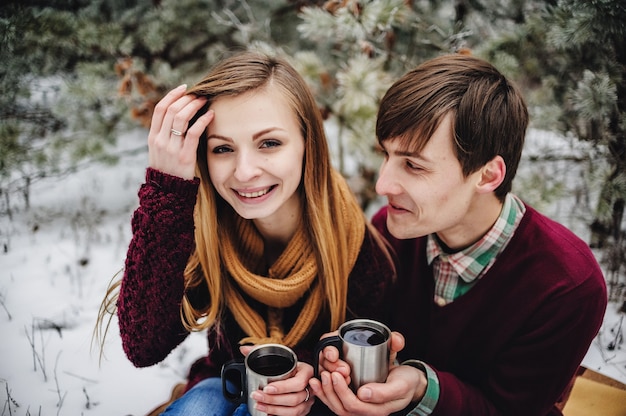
427, 405
169, 183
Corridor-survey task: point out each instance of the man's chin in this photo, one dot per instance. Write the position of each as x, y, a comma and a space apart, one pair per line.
396, 229
401, 230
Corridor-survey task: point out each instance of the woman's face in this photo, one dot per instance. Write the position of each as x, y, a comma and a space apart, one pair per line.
255, 153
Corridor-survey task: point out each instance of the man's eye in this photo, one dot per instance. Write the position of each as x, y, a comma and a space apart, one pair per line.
412, 165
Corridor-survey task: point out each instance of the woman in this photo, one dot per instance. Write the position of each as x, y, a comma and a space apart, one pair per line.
245, 230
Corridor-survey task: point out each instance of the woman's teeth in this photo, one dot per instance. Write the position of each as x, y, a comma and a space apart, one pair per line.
254, 194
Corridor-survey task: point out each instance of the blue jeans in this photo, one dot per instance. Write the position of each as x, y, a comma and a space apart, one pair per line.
205, 399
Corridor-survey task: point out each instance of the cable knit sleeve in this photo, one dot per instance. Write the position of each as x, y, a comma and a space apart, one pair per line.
152, 287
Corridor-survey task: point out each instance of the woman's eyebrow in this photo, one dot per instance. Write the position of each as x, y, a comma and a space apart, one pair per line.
254, 136
265, 131
218, 136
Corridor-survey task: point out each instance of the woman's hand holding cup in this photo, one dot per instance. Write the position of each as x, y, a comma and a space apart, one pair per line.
270, 380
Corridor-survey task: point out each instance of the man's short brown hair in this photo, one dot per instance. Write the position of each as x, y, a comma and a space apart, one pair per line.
490, 115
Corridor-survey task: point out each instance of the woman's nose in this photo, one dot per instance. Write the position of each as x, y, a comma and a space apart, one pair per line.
247, 167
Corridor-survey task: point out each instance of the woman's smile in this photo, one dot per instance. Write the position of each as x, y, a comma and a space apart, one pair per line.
249, 194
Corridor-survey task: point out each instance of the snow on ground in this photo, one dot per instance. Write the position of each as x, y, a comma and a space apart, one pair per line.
58, 260
61, 256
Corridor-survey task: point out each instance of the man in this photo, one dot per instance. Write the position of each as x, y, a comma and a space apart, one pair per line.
496, 304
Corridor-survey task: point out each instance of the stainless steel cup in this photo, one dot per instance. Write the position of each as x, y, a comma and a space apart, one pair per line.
264, 364
365, 345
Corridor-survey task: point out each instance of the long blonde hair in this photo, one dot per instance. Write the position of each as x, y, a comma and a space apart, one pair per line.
236, 75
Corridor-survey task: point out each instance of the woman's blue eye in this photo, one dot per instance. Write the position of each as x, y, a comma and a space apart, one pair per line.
270, 143
222, 149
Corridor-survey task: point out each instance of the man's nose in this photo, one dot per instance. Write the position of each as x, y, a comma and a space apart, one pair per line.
387, 183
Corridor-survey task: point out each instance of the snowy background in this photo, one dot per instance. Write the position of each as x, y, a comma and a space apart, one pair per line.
59, 256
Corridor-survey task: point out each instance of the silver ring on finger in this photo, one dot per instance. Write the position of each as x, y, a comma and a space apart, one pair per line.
308, 394
176, 132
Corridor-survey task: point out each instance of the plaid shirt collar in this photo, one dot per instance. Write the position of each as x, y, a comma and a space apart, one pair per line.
470, 262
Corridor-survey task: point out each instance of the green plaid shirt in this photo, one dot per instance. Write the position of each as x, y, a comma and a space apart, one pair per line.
456, 273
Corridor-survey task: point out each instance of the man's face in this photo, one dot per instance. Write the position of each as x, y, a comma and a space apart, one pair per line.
427, 192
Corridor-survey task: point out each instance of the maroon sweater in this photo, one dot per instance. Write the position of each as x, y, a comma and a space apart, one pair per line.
152, 286
513, 342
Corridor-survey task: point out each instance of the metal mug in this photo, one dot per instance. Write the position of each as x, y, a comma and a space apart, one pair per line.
264, 364
365, 345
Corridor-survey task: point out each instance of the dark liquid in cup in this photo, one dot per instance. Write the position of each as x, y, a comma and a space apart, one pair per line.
363, 336
271, 364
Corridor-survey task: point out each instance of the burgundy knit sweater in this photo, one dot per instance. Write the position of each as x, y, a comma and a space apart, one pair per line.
152, 286
513, 342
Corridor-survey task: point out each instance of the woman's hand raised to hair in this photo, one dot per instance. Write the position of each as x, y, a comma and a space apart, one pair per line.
172, 143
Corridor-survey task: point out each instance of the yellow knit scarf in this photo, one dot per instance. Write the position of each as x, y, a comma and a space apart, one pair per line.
292, 275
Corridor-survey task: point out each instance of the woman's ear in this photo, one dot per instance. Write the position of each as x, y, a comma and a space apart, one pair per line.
492, 175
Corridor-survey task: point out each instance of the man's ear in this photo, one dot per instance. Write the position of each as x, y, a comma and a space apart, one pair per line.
492, 175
